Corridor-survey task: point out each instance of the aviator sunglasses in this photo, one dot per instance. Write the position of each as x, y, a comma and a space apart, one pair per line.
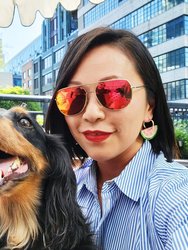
111, 94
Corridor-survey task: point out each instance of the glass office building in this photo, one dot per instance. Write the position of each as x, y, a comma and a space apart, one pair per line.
162, 25
57, 33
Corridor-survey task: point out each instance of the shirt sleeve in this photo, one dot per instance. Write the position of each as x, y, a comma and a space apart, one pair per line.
171, 211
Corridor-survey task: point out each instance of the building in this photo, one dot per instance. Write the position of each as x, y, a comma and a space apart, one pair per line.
17, 80
21, 65
162, 25
27, 75
57, 32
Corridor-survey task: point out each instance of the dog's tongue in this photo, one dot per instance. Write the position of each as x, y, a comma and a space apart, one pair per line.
11, 167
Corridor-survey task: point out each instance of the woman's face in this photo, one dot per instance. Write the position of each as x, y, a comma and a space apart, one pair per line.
108, 134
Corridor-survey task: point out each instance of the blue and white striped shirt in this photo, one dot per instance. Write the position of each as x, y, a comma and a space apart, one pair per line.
145, 207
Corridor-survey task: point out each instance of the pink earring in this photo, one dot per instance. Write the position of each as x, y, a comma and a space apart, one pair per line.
149, 133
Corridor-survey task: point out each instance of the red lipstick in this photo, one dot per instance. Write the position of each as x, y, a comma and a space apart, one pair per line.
96, 135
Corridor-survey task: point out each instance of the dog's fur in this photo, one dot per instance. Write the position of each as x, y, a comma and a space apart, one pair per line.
38, 208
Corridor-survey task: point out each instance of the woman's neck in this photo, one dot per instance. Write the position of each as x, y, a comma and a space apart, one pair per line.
107, 170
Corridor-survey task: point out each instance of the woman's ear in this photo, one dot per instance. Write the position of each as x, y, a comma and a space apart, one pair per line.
149, 113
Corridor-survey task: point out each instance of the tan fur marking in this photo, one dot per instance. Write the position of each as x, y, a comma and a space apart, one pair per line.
18, 213
18, 206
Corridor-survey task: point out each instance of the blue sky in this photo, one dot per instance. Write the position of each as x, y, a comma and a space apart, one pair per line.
16, 36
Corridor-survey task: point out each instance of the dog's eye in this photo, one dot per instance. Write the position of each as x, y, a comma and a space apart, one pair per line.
24, 122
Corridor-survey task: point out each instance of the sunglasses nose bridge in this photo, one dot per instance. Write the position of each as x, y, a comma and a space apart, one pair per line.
89, 92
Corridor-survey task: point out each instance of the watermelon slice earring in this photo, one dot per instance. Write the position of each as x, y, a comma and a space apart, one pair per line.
149, 133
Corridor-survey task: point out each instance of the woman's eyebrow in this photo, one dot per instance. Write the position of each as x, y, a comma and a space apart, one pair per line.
75, 82
109, 77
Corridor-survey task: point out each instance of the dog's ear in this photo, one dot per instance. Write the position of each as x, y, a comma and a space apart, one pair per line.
64, 223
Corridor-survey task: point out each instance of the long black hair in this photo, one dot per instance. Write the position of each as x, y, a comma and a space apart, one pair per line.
131, 46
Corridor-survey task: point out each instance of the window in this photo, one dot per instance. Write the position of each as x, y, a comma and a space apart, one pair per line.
176, 90
165, 32
47, 79
59, 54
172, 60
36, 83
137, 17
29, 72
24, 75
47, 62
35, 67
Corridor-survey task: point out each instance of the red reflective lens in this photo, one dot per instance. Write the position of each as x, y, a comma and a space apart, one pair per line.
115, 94
71, 101
112, 94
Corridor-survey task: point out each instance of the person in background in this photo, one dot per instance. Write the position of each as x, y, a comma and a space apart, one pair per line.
110, 107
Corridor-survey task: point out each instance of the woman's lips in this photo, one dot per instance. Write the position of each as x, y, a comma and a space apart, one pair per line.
96, 136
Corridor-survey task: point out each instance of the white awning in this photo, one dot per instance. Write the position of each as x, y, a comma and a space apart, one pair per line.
27, 9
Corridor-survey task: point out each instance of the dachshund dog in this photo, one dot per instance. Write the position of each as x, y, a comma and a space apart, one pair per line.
38, 208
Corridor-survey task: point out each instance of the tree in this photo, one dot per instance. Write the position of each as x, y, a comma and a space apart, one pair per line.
181, 131
32, 106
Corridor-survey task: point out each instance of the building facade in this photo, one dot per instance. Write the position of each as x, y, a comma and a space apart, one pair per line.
21, 65
27, 75
162, 25
57, 33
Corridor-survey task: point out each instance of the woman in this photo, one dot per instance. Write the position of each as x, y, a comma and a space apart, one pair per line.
110, 107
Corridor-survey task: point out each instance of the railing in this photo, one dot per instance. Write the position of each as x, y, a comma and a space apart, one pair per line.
183, 162
178, 110
32, 98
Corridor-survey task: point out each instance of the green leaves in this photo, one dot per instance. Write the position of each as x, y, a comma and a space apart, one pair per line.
32, 106
181, 131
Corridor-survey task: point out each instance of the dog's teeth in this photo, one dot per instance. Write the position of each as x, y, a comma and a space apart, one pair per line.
15, 165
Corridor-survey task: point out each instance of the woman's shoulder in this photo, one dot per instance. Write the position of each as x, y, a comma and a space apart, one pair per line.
167, 178
168, 189
165, 173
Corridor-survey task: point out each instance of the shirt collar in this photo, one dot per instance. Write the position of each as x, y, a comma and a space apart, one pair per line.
86, 176
132, 179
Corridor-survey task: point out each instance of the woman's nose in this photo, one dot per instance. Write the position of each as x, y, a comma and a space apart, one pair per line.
94, 110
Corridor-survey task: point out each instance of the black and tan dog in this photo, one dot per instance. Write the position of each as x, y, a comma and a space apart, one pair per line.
38, 208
